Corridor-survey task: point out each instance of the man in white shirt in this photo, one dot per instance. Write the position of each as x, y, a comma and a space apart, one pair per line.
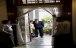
62, 31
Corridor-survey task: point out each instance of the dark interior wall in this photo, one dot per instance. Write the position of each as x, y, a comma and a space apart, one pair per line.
67, 9
11, 10
12, 14
67, 12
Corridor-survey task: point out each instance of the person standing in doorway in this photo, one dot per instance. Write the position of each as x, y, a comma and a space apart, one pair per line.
32, 28
7, 28
38, 27
61, 36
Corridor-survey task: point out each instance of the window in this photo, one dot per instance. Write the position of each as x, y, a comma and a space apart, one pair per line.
30, 1
24, 1
52, 1
57, 1
40, 1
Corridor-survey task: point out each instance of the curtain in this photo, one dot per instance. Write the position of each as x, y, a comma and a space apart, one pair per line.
24, 10
19, 35
54, 25
52, 11
22, 28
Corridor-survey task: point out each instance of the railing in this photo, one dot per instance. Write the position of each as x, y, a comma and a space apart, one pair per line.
40, 1
19, 2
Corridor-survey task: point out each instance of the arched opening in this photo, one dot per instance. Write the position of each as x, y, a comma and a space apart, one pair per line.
23, 14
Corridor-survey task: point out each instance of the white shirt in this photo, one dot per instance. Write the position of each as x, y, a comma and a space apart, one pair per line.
7, 28
62, 28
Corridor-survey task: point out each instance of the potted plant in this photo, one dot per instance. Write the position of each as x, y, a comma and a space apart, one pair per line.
46, 30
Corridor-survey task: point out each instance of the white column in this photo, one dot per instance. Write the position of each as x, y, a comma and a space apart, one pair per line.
31, 15
36, 14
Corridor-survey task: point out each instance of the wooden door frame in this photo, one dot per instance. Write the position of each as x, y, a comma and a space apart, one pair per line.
12, 8
29, 29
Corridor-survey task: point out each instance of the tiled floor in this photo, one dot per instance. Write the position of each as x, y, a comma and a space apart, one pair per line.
38, 42
33, 46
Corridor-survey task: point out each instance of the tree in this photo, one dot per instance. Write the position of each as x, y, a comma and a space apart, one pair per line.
47, 18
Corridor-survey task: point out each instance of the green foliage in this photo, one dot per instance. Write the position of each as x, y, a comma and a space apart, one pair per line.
47, 18
46, 29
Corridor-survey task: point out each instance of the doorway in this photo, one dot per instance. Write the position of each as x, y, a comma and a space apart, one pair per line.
24, 11
47, 19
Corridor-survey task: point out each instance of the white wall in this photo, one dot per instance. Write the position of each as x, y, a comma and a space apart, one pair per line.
3, 11
36, 13
31, 15
74, 19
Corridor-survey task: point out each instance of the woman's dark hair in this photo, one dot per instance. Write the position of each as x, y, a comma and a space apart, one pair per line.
31, 20
5, 21
36, 19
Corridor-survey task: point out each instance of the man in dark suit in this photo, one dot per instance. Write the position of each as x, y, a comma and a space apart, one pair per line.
38, 26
